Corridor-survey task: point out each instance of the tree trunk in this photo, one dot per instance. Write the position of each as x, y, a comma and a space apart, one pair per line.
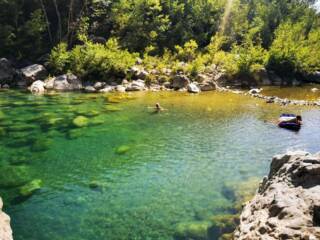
47, 20
59, 20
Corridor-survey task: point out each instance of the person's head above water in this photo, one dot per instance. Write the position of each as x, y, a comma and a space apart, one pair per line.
158, 106
299, 118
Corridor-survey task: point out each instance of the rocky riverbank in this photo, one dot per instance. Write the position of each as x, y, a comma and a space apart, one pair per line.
37, 79
5, 229
287, 204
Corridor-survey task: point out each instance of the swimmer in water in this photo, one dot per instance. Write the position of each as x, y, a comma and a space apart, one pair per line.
158, 108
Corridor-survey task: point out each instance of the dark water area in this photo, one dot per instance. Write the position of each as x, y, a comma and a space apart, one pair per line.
110, 168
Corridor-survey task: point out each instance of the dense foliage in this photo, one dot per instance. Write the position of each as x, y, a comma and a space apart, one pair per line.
239, 36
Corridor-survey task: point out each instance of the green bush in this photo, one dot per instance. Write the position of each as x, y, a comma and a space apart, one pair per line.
93, 61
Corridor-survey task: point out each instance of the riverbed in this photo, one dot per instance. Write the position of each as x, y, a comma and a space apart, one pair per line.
112, 168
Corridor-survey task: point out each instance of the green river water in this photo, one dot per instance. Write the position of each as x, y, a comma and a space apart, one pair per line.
127, 173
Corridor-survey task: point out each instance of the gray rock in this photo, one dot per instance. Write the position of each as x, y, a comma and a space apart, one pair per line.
5, 228
207, 86
5, 86
99, 85
255, 91
143, 74
120, 88
49, 83
37, 87
106, 89
180, 81
193, 88
33, 73
167, 84
202, 78
7, 72
287, 204
90, 89
67, 82
134, 86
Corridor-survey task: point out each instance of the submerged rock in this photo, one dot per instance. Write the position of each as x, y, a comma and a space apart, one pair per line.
80, 121
41, 145
241, 192
193, 230
5, 229
287, 205
111, 108
13, 176
30, 188
122, 150
223, 224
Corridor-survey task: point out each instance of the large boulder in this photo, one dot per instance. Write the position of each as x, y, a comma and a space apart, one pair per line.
137, 85
99, 85
180, 81
37, 87
7, 72
5, 229
287, 204
193, 88
67, 82
90, 89
34, 72
207, 86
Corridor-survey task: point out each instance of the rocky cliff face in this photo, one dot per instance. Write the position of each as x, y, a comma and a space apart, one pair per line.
287, 204
5, 229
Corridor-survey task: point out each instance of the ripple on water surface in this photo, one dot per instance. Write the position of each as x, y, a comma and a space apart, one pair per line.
111, 169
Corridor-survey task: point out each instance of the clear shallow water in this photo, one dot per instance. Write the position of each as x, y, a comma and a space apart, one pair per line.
174, 171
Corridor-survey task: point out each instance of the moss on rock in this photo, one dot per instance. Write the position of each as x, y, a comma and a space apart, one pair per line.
223, 224
111, 108
122, 149
13, 176
81, 121
30, 188
193, 230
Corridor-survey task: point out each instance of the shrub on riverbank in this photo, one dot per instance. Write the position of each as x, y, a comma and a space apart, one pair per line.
92, 60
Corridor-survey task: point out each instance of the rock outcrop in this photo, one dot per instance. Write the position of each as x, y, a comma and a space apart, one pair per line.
66, 82
34, 72
287, 204
5, 229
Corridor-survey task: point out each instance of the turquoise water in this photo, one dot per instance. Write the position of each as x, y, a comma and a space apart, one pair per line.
128, 173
